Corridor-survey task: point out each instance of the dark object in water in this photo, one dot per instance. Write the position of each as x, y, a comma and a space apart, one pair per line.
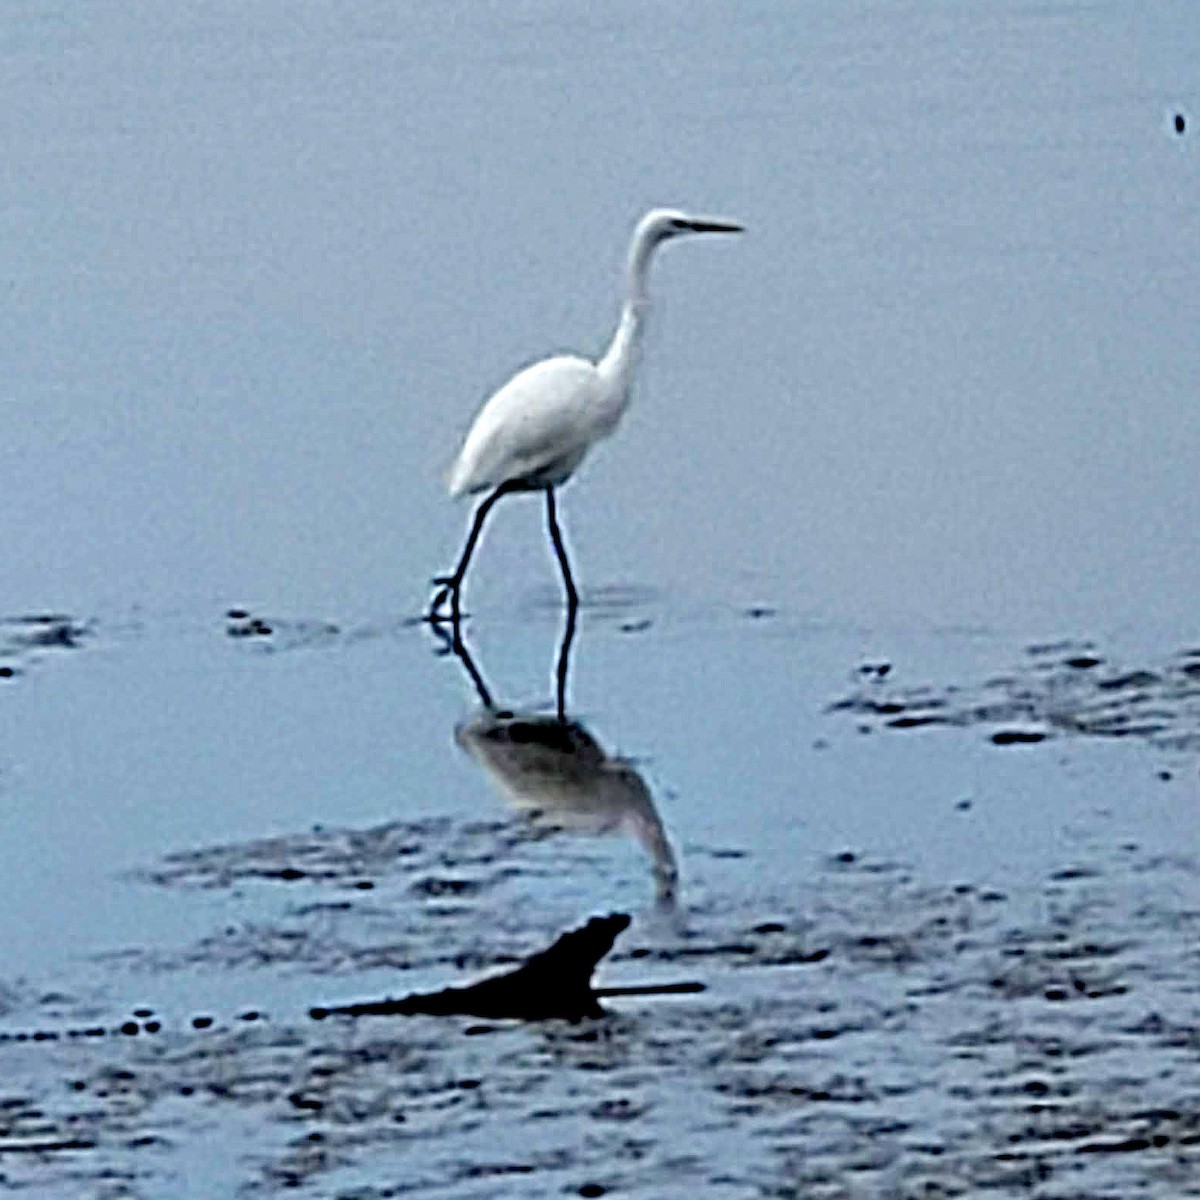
246, 626
49, 629
1017, 737
1131, 679
915, 722
1180, 123
879, 670
554, 983
44, 1146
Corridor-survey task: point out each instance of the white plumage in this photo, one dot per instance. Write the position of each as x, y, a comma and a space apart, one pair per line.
537, 427
535, 431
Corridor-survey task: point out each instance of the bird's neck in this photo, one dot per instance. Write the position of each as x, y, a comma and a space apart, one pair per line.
620, 360
637, 270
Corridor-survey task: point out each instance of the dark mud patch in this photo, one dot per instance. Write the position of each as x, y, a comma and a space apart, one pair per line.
362, 899
24, 640
429, 852
1064, 689
274, 634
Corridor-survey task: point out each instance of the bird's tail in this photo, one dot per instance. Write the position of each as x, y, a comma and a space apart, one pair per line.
456, 479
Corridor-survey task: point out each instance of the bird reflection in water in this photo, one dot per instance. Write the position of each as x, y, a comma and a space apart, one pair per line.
556, 774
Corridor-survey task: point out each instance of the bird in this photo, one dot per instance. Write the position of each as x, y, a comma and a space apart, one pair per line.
533, 433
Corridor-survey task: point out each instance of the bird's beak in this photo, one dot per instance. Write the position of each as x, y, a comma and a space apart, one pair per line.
707, 225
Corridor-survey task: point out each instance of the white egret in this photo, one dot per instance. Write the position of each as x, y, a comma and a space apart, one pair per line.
534, 432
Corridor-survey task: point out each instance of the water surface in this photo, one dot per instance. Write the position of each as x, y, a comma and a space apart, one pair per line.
885, 670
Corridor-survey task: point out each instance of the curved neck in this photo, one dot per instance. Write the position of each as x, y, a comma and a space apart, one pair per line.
619, 360
637, 267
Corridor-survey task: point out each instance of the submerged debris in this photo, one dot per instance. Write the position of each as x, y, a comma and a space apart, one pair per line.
555, 983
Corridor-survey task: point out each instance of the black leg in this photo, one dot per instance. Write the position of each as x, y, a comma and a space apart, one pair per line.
561, 550
451, 585
564, 664
564, 654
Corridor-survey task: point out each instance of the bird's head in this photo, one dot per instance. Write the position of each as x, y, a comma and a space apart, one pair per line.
662, 224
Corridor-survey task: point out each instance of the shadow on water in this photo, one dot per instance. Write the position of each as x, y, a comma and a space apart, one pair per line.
554, 772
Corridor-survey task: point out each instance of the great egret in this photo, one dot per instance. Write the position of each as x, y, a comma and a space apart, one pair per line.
535, 431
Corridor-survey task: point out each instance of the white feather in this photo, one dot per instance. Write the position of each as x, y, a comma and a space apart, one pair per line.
536, 428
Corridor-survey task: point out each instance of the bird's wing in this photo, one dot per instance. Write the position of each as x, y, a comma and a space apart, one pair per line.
541, 417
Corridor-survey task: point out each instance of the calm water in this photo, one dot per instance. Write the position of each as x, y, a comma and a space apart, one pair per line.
934, 409
263, 266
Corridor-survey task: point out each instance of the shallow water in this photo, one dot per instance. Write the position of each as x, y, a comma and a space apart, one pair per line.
884, 692
932, 961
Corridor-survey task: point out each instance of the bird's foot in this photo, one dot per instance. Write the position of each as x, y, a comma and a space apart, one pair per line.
447, 586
